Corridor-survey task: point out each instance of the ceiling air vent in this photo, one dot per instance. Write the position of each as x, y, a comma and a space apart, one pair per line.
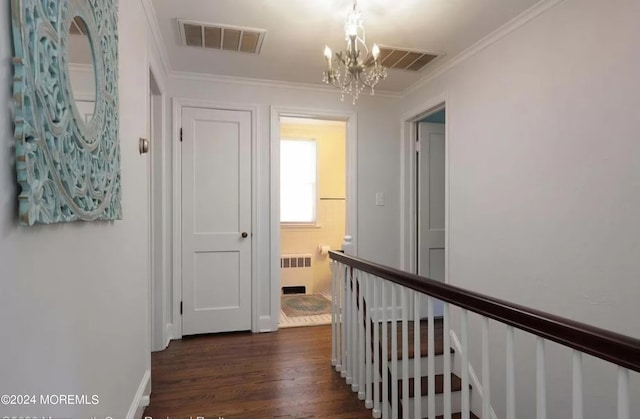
404, 59
221, 37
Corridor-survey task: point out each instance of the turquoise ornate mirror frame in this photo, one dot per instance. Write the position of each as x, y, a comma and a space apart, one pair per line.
68, 165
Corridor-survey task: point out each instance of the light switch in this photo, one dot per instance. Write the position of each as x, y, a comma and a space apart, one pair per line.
380, 199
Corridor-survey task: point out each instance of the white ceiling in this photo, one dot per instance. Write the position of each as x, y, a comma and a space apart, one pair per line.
297, 31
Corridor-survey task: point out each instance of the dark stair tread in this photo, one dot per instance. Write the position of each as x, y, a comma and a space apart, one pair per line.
456, 385
457, 416
424, 352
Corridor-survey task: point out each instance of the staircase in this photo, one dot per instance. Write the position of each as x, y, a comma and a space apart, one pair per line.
413, 370
377, 336
423, 359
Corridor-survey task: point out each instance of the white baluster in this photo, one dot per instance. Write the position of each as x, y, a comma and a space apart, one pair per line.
404, 294
417, 356
360, 322
377, 283
511, 379
394, 352
465, 364
347, 326
339, 309
446, 348
385, 352
577, 385
354, 363
623, 393
541, 386
368, 285
334, 337
431, 361
486, 382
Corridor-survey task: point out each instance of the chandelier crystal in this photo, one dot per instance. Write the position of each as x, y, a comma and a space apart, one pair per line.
355, 68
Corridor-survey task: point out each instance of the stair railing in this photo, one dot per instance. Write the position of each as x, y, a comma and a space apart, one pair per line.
370, 301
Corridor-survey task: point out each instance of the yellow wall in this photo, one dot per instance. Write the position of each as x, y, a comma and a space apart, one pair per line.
330, 145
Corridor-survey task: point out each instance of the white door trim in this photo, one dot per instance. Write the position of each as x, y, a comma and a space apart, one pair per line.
178, 104
351, 227
408, 204
160, 320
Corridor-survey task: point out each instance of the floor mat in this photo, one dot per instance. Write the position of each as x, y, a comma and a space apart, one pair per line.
300, 305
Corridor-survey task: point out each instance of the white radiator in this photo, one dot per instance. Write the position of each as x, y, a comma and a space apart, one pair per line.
296, 271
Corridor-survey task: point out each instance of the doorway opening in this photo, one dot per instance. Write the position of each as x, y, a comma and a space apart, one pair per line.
431, 200
425, 194
313, 215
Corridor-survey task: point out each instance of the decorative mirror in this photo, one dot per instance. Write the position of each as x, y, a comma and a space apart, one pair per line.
66, 110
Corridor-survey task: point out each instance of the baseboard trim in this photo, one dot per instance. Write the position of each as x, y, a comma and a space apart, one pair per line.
168, 334
140, 400
266, 324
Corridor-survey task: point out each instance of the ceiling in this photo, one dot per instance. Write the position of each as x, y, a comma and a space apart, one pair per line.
297, 31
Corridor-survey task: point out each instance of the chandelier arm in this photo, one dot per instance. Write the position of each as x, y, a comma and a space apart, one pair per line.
355, 68
367, 82
372, 77
344, 83
336, 83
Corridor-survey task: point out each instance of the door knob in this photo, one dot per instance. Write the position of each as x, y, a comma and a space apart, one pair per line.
244, 235
143, 145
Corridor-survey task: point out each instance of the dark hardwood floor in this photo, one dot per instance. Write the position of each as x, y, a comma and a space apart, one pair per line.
285, 374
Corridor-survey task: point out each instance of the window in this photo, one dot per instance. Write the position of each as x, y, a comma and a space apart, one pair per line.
298, 181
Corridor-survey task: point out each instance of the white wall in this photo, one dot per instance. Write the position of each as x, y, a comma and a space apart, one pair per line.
378, 161
545, 180
73, 297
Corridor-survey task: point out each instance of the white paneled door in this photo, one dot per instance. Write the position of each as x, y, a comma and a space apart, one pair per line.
216, 220
431, 204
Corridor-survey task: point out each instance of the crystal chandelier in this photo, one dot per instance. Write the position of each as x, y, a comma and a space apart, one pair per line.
355, 68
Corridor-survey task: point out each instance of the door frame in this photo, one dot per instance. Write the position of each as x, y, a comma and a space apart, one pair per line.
409, 175
159, 221
179, 103
351, 191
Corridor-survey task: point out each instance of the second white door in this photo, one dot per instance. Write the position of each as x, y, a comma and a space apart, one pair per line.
431, 204
216, 220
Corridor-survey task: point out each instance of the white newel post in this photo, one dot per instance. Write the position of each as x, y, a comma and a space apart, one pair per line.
347, 246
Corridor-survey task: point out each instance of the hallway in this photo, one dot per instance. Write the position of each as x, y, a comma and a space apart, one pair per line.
285, 374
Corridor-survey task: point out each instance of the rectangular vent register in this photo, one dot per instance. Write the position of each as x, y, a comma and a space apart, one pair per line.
221, 37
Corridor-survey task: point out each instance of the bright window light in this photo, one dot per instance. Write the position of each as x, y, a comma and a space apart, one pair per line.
297, 181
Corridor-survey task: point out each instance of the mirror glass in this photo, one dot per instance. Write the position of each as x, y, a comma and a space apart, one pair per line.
81, 69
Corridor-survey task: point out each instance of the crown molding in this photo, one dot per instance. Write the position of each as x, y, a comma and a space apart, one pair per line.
154, 27
446, 65
214, 78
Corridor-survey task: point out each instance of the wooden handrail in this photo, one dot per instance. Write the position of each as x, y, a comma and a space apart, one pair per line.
604, 344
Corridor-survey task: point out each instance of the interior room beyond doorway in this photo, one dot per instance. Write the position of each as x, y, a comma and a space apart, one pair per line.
312, 215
